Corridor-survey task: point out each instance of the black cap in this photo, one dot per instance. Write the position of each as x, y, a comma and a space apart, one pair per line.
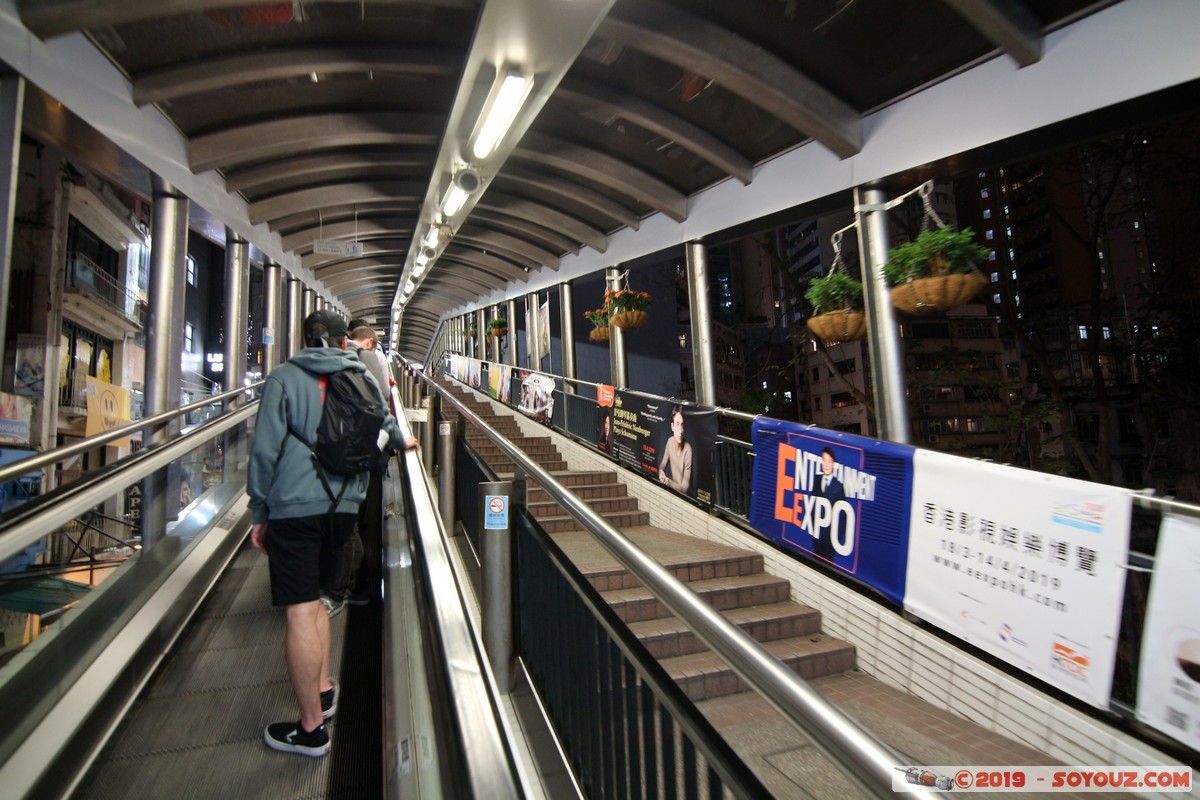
324, 327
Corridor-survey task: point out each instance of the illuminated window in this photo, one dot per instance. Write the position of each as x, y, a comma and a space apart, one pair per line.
189, 337
191, 271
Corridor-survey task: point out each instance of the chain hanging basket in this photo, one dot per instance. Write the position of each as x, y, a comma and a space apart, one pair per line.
629, 320
937, 293
839, 326
599, 334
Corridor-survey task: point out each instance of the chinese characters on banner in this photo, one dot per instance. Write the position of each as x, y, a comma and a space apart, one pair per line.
836, 498
605, 395
671, 443
1168, 693
1024, 565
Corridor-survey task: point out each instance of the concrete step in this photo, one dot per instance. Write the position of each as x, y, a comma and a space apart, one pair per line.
733, 591
547, 461
619, 519
601, 505
586, 492
668, 637
581, 478
705, 675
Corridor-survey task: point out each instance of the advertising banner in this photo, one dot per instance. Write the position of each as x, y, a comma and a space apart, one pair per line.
1024, 565
107, 408
672, 443
500, 382
537, 396
836, 498
544, 330
605, 397
458, 368
29, 375
1168, 692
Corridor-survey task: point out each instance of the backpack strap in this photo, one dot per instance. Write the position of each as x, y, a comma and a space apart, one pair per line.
322, 383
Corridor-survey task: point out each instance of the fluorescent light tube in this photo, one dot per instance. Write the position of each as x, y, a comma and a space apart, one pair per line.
502, 111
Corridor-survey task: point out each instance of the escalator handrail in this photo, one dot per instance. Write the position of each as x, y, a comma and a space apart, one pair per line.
35, 462
92, 490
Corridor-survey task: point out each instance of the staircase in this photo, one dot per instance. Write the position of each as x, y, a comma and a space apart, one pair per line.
731, 580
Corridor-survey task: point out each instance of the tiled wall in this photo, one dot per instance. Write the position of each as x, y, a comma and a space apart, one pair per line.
892, 649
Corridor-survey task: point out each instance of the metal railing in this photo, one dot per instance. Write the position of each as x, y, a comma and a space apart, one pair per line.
865, 760
85, 275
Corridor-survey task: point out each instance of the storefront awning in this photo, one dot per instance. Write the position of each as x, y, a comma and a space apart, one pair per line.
39, 595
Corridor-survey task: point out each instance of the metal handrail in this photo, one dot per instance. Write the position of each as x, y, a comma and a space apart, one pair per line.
96, 489
865, 759
19, 468
473, 687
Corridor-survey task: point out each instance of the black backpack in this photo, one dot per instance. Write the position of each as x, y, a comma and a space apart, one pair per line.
347, 441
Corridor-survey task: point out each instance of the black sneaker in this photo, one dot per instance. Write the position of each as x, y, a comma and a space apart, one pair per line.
359, 599
329, 699
290, 737
332, 607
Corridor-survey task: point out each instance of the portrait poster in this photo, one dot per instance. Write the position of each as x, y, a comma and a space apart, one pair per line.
544, 330
16, 414
474, 373
1025, 565
107, 408
500, 382
836, 498
29, 377
537, 396
1168, 692
605, 396
672, 443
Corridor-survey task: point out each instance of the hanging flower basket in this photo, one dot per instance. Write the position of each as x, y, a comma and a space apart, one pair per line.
497, 327
627, 308
846, 325
629, 319
938, 293
599, 334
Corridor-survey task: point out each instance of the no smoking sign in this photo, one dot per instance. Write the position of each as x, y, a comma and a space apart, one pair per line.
495, 517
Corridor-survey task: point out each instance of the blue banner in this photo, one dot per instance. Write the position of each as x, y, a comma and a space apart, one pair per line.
836, 498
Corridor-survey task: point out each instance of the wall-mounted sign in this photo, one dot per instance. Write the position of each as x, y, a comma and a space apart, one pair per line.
335, 247
216, 361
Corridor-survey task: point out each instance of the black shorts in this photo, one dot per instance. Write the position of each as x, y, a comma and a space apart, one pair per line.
305, 557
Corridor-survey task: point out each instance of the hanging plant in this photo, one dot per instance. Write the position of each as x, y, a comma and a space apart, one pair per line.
498, 327
599, 320
627, 308
936, 271
837, 301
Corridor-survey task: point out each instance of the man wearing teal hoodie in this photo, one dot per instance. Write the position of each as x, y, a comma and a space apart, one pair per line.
291, 522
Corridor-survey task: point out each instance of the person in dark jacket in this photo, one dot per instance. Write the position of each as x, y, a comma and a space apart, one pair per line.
291, 522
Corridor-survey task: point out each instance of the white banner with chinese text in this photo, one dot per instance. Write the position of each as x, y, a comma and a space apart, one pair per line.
1024, 565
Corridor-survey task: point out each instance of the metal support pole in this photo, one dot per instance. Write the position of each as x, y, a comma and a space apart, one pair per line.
164, 343
308, 304
703, 363
499, 500
447, 474
566, 320
12, 103
617, 366
511, 360
237, 293
481, 330
494, 356
887, 364
293, 316
428, 446
271, 348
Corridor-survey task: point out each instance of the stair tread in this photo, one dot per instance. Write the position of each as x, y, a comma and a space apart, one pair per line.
707, 662
669, 548
633, 594
670, 625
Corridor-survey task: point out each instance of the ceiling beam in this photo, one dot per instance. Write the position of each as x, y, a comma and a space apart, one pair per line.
332, 195
1008, 24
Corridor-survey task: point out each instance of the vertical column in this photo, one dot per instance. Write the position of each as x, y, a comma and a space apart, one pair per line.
499, 500
294, 320
481, 326
617, 365
271, 317
307, 304
512, 333
566, 320
496, 349
887, 365
533, 343
164, 343
237, 292
12, 98
703, 364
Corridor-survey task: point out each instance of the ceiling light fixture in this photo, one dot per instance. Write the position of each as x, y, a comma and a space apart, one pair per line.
500, 110
409, 286
466, 183
433, 237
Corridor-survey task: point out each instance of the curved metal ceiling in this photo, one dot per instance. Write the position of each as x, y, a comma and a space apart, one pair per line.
345, 120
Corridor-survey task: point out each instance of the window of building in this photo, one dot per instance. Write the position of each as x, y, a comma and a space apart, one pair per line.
931, 330
189, 337
816, 373
191, 271
987, 213
847, 366
816, 404
842, 400
989, 234
1083, 333
974, 330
